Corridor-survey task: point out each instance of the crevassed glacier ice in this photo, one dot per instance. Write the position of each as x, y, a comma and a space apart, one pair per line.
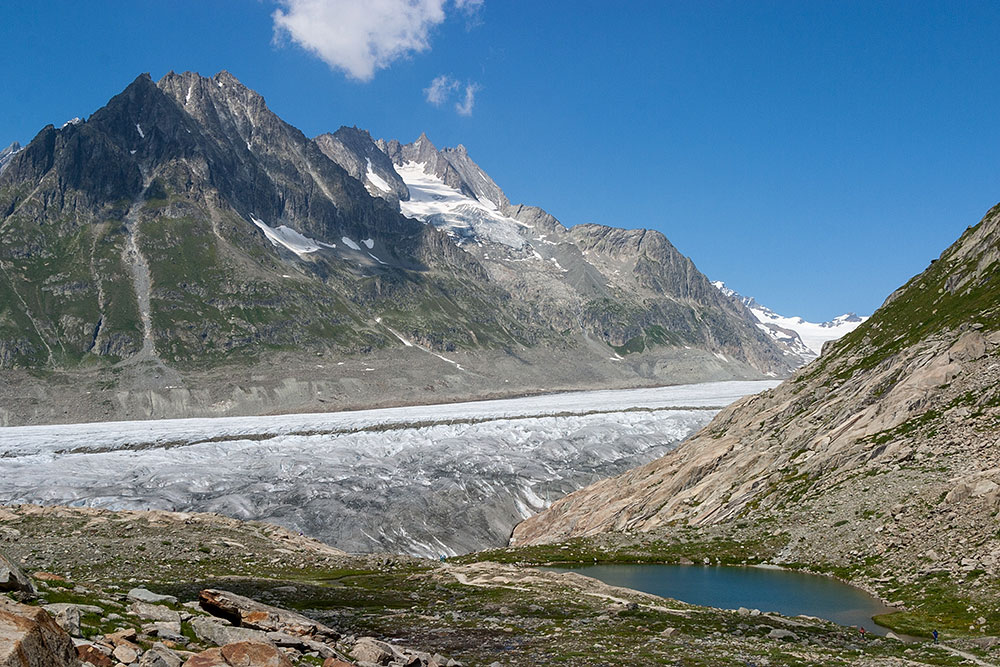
368, 480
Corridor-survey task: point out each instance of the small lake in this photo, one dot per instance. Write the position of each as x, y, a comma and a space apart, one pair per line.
728, 587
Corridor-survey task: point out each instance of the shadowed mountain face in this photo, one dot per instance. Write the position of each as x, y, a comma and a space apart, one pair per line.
185, 251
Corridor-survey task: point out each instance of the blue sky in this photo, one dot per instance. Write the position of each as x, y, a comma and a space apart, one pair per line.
813, 154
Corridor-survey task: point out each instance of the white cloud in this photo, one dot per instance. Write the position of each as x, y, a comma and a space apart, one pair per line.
440, 89
464, 107
362, 37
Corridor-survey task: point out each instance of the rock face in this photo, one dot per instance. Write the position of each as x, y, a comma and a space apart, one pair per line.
884, 448
185, 252
29, 637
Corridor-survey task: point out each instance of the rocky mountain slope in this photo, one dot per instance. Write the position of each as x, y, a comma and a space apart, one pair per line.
878, 461
797, 337
184, 251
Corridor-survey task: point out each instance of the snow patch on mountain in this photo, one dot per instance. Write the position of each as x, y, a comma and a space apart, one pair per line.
288, 238
797, 335
375, 179
465, 218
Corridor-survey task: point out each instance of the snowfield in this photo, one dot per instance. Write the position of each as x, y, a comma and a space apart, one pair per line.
427, 480
462, 217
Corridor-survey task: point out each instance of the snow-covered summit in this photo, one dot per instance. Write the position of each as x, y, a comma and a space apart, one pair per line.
795, 334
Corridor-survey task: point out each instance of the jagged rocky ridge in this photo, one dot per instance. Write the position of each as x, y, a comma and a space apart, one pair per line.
879, 459
184, 251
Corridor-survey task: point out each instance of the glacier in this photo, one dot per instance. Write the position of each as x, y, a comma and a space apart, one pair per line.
425, 480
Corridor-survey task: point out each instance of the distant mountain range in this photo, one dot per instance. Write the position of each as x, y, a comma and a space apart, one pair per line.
796, 336
184, 251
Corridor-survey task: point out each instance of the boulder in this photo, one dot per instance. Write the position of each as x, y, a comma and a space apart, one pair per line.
160, 656
155, 612
168, 630
125, 653
240, 654
213, 632
369, 649
300, 644
970, 346
142, 595
67, 616
13, 579
252, 614
336, 662
778, 633
30, 637
90, 654
122, 637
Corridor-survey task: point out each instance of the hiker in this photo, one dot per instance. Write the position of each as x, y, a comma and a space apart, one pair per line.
861, 629
935, 634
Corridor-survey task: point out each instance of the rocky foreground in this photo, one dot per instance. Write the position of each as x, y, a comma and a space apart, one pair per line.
158, 589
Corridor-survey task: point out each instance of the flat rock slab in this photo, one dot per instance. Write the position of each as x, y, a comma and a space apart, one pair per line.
30, 637
240, 654
213, 632
155, 612
142, 595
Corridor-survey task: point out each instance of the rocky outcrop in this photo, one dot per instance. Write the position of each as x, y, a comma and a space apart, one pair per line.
884, 448
358, 154
247, 613
29, 637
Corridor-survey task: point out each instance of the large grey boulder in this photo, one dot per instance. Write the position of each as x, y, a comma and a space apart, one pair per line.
13, 579
142, 595
160, 656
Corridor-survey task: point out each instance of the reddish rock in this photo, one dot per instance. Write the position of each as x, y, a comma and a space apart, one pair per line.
29, 637
48, 576
254, 655
93, 655
241, 654
210, 658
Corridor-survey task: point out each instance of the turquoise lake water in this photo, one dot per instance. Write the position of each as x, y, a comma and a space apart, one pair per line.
726, 587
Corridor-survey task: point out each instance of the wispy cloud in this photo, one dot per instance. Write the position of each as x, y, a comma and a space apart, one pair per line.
362, 37
473, 10
444, 88
440, 89
464, 107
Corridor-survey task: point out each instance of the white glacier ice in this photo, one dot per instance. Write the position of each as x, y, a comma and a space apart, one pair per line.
427, 480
